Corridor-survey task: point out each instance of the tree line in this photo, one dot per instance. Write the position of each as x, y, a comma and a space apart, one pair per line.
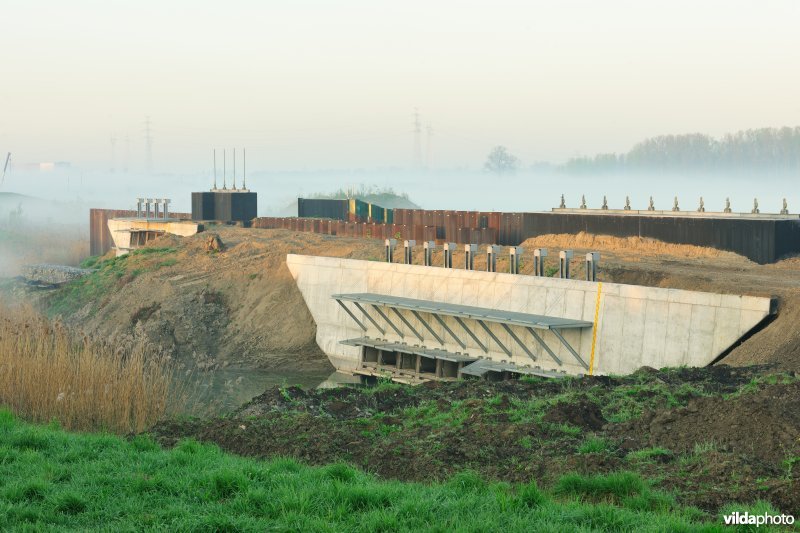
763, 149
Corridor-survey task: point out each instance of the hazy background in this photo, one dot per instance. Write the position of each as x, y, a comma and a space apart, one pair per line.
322, 95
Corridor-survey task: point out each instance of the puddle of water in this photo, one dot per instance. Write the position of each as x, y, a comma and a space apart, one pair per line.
223, 390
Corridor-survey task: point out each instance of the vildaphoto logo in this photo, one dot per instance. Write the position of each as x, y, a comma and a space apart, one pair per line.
766, 519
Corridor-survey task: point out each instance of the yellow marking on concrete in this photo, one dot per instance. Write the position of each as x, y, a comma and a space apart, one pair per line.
594, 328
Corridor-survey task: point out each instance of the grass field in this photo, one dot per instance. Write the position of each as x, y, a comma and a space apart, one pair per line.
54, 480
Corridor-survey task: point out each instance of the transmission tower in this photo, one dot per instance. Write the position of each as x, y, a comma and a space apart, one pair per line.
127, 153
148, 143
417, 140
428, 141
113, 140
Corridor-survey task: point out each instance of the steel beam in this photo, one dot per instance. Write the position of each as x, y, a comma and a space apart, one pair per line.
408, 324
571, 350
494, 337
471, 334
545, 346
450, 331
386, 318
428, 327
360, 324
518, 341
374, 322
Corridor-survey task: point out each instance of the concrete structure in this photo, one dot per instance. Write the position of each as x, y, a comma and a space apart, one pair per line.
129, 233
511, 323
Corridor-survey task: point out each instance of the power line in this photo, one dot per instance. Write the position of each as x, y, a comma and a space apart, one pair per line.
417, 140
148, 142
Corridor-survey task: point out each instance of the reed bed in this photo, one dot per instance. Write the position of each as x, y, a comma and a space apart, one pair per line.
47, 374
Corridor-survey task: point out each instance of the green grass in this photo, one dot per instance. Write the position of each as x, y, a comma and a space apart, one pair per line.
595, 445
54, 480
106, 276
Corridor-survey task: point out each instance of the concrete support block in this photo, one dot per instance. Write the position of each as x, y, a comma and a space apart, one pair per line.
564, 257
166, 208
491, 257
515, 257
428, 248
538, 261
592, 258
147, 202
139, 202
469, 256
449, 248
390, 245
408, 252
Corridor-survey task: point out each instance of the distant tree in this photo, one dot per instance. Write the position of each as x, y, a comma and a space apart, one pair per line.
500, 161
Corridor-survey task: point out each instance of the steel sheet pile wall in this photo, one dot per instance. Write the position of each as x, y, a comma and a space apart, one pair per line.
100, 240
762, 240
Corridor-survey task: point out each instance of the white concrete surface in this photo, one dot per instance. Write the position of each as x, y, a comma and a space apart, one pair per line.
121, 229
637, 326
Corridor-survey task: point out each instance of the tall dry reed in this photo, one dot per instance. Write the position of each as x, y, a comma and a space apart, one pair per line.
46, 374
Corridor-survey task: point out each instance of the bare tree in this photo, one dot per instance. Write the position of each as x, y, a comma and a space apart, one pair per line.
500, 161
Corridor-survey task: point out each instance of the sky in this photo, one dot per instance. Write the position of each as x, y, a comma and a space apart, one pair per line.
308, 85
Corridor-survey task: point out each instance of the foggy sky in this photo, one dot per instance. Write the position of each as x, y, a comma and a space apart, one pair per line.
312, 85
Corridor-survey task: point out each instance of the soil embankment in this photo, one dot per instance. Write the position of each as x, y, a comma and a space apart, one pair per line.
215, 302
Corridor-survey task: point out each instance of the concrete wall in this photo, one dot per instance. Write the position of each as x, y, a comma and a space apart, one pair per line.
637, 326
121, 228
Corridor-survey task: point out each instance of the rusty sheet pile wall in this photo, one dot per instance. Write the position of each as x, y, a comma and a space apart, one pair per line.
763, 239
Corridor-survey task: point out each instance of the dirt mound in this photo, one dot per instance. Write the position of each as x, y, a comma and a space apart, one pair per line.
583, 413
637, 245
765, 425
209, 303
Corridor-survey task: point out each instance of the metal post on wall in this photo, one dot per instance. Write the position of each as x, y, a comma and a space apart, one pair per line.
166, 208
514, 258
156, 207
390, 245
428, 247
491, 257
469, 258
449, 248
139, 202
408, 251
147, 202
538, 261
564, 257
592, 258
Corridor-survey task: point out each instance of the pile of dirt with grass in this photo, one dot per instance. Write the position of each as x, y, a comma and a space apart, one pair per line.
764, 424
220, 298
520, 430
